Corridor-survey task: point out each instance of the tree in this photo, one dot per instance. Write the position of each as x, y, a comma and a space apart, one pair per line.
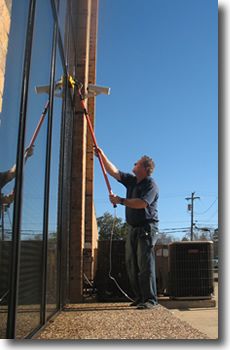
106, 223
200, 234
165, 238
215, 236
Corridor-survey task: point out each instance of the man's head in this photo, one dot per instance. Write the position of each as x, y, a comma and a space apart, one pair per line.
144, 167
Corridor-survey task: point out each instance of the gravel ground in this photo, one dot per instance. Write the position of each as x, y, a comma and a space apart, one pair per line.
117, 321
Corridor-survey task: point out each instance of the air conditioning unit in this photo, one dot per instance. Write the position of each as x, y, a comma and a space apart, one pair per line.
191, 270
162, 252
107, 289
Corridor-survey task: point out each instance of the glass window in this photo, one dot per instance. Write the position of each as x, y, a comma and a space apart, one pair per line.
65, 186
62, 16
13, 29
35, 262
65, 23
31, 257
52, 270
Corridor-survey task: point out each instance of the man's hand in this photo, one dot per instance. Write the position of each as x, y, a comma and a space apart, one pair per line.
29, 152
109, 167
114, 199
96, 151
7, 199
134, 203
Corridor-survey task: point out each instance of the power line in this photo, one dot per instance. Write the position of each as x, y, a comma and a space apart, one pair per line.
213, 214
208, 208
175, 228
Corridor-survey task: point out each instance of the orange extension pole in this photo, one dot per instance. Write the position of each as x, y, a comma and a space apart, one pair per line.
95, 142
42, 117
38, 127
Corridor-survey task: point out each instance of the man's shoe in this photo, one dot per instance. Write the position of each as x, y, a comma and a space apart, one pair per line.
147, 306
135, 302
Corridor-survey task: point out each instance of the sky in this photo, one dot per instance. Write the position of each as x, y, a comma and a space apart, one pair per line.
160, 59
161, 94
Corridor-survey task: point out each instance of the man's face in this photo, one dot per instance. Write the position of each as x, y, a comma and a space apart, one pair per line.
139, 168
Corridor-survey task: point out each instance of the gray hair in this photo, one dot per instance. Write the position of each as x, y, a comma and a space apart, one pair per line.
148, 164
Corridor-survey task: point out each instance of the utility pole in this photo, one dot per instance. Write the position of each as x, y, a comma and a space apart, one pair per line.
191, 206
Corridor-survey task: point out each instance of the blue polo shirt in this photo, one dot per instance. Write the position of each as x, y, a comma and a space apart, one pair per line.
146, 190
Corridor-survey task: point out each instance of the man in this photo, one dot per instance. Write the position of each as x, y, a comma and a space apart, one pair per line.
8, 176
142, 218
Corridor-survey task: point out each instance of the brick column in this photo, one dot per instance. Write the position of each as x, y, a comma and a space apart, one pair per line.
81, 14
91, 233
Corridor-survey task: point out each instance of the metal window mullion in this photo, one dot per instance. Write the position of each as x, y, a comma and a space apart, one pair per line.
60, 231
47, 178
62, 224
63, 194
15, 251
61, 239
60, 44
55, 15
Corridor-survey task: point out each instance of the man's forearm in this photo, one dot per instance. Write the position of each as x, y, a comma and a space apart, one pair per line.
110, 167
135, 203
12, 173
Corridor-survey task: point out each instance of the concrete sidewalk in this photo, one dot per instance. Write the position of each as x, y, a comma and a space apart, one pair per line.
204, 319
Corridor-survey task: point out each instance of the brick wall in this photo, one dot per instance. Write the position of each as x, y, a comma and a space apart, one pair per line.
91, 233
83, 231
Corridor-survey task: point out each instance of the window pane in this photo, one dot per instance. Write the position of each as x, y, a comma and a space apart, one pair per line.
52, 271
31, 257
13, 32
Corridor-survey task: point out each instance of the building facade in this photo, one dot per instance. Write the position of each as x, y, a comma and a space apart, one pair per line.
48, 240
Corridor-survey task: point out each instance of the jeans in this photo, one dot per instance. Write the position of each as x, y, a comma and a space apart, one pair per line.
140, 262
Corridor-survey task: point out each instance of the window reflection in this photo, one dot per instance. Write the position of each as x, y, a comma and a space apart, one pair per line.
32, 253
62, 7
53, 198
14, 25
31, 257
